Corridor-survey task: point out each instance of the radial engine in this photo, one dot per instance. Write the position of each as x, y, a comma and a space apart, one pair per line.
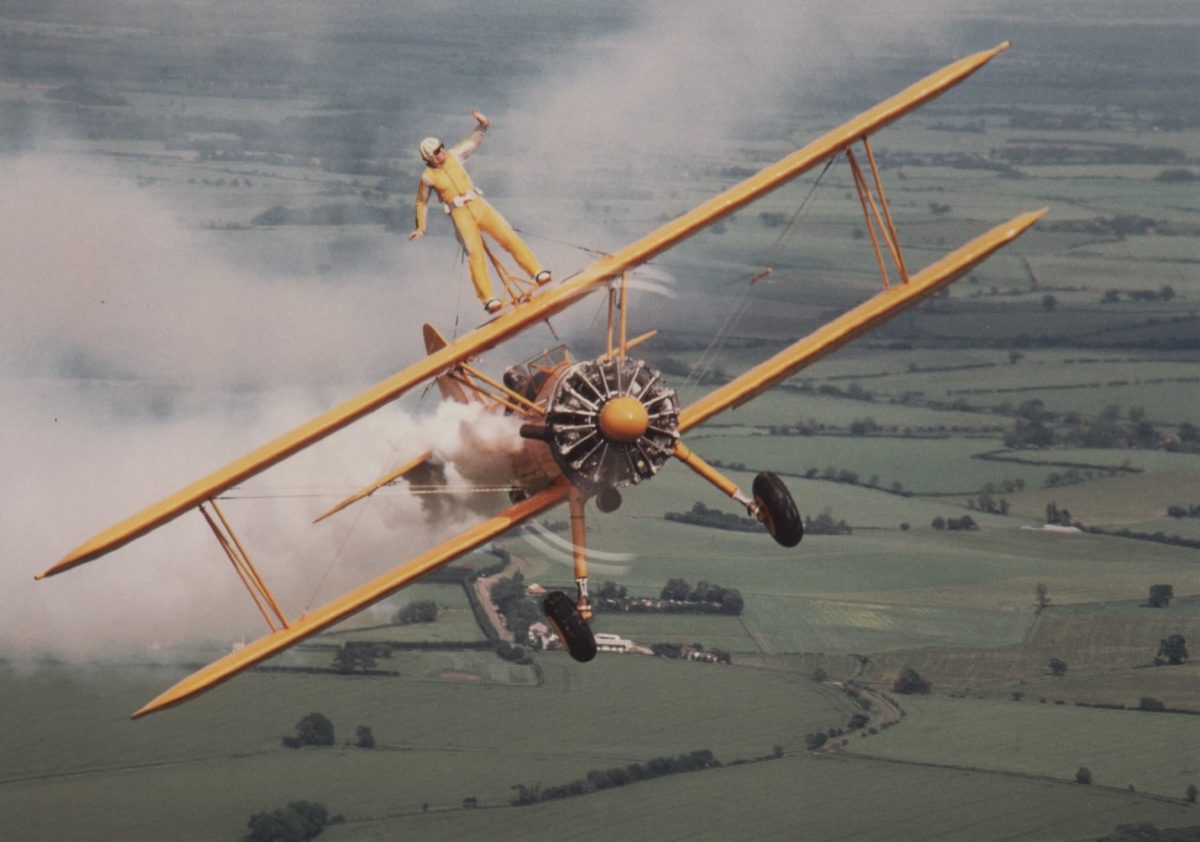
608, 423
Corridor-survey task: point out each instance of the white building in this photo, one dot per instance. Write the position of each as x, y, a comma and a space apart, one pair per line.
613, 643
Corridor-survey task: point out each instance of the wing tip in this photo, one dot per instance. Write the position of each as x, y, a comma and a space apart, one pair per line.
71, 559
1027, 220
181, 692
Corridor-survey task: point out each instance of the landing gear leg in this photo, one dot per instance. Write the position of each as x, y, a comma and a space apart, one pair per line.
690, 458
577, 500
568, 618
772, 504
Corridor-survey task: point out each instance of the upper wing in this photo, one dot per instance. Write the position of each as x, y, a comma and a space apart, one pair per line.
544, 305
767, 179
355, 600
866, 316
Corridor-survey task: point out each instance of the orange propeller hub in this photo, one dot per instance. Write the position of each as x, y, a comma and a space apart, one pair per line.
624, 420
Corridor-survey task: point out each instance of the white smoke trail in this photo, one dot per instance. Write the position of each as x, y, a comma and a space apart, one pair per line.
133, 361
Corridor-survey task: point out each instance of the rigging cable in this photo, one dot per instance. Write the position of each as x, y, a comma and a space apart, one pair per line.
576, 246
721, 338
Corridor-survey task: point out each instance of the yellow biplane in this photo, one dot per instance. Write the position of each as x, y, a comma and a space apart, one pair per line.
589, 426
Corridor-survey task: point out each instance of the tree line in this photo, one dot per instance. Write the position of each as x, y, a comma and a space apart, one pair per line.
1037, 427
727, 600
618, 776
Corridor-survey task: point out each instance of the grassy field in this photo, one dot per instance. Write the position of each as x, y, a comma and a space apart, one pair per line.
923, 466
439, 740
1150, 752
1109, 648
442, 741
455, 621
825, 799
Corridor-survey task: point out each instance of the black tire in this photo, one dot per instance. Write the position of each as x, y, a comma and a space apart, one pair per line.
608, 500
778, 509
575, 634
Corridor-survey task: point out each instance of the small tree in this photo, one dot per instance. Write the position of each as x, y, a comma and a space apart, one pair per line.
1041, 596
1172, 649
354, 656
298, 821
363, 738
1160, 596
1058, 667
732, 602
421, 611
676, 589
910, 681
1191, 792
1083, 775
315, 730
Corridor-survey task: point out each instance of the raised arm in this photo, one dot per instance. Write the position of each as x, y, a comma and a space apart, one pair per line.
463, 149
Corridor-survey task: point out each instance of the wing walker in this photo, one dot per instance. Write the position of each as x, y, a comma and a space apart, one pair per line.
590, 426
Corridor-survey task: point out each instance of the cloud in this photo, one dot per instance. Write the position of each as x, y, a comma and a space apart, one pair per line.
101, 279
134, 359
67, 477
681, 87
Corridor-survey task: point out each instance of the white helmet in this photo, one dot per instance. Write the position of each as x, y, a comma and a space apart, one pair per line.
430, 146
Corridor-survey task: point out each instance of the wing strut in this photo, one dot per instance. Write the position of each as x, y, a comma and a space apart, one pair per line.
262, 596
875, 221
853, 323
350, 603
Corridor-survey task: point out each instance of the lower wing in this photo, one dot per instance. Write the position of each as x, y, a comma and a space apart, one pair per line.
852, 324
357, 599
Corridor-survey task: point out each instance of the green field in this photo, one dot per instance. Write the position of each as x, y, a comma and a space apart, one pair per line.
439, 739
1150, 752
923, 466
826, 799
455, 621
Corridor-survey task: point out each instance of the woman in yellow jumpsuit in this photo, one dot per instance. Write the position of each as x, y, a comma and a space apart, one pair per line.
470, 212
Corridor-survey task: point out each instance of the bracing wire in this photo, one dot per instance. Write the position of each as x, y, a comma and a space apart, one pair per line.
337, 557
386, 490
721, 337
774, 252
576, 246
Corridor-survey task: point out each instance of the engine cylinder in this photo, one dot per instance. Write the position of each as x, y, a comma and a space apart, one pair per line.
611, 422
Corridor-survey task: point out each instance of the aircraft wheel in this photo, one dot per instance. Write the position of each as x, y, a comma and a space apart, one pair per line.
575, 634
778, 510
608, 500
